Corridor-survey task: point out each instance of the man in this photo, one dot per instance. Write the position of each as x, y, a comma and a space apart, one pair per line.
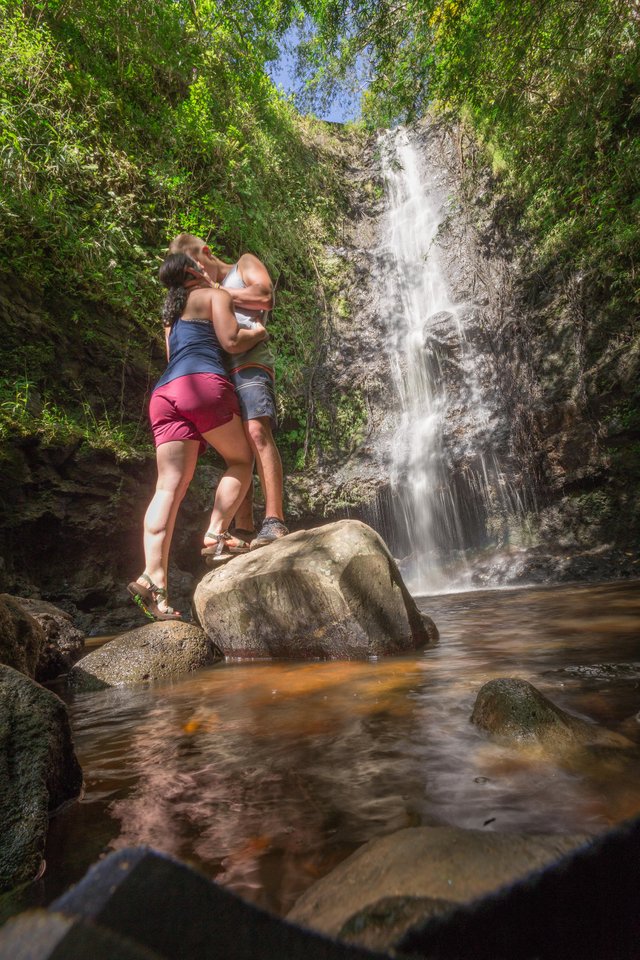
249, 284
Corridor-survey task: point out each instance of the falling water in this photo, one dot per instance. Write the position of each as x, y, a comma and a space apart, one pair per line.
450, 495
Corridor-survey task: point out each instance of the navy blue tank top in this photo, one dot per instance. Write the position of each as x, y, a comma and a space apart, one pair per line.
193, 348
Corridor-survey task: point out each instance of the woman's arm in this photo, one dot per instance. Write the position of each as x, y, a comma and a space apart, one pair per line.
167, 334
233, 339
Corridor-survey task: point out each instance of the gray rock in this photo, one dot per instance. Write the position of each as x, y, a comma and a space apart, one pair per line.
39, 772
439, 863
63, 641
332, 593
513, 711
153, 652
38, 935
382, 924
21, 637
161, 905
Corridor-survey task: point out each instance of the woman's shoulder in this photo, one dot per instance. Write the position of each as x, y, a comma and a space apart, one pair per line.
203, 299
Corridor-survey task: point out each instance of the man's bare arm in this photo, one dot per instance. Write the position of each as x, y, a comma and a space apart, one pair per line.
258, 291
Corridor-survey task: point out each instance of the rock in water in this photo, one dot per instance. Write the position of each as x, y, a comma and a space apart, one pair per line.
514, 711
332, 593
63, 641
38, 772
21, 637
153, 652
444, 865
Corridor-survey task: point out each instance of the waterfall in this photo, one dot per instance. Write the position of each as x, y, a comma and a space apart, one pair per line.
449, 493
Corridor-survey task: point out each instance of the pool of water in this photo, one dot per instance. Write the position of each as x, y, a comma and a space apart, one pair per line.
267, 775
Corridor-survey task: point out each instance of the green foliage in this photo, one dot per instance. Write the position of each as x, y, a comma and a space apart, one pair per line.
22, 415
123, 124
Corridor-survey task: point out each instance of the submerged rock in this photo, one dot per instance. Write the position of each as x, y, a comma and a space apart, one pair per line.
514, 711
381, 925
330, 593
439, 863
63, 641
39, 772
153, 652
21, 636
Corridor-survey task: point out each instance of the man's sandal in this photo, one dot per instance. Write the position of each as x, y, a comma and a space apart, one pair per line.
225, 547
147, 598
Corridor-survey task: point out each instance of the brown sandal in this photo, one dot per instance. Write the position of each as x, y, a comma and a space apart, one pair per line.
147, 599
225, 548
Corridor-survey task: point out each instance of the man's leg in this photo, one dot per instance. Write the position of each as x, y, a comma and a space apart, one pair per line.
268, 463
258, 405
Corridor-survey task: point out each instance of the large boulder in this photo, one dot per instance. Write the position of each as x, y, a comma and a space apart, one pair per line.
156, 651
443, 865
332, 593
515, 712
63, 641
39, 772
22, 638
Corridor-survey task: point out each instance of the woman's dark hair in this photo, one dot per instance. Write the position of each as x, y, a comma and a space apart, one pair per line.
173, 274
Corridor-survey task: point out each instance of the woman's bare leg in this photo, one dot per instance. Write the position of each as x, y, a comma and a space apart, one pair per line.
232, 445
176, 464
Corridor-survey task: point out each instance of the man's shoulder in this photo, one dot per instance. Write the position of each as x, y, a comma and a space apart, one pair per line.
248, 259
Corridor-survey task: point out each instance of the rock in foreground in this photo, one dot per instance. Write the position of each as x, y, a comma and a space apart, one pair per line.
38, 772
21, 637
63, 641
443, 864
156, 651
332, 593
514, 711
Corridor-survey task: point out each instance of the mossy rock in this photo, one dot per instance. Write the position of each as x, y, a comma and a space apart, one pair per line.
39, 772
156, 651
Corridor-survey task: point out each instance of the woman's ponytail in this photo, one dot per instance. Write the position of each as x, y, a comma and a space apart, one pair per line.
173, 274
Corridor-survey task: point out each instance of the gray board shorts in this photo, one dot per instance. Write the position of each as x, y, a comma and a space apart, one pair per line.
256, 394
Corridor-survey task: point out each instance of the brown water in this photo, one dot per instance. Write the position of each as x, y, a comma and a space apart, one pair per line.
266, 775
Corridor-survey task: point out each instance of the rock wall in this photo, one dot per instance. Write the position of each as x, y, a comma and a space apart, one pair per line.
71, 529
562, 391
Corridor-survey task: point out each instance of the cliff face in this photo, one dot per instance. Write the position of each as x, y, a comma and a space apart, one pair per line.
561, 387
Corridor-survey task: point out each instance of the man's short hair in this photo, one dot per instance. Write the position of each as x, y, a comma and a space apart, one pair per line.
187, 243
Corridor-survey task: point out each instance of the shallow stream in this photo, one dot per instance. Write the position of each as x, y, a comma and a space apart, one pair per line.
267, 775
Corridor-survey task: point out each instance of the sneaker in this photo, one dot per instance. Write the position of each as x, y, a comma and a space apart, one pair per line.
272, 529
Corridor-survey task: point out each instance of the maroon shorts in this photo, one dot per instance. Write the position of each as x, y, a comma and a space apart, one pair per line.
190, 406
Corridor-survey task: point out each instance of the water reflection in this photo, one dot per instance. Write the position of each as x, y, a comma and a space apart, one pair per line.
266, 775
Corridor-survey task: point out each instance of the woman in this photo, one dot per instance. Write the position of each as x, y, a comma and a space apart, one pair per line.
193, 403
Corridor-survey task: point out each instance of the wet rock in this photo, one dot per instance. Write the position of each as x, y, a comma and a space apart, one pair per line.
631, 727
514, 711
438, 863
39, 935
603, 671
381, 925
330, 593
22, 639
38, 772
139, 904
63, 641
153, 652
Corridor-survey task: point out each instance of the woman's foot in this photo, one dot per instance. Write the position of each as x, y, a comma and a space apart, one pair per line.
244, 534
220, 547
151, 599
